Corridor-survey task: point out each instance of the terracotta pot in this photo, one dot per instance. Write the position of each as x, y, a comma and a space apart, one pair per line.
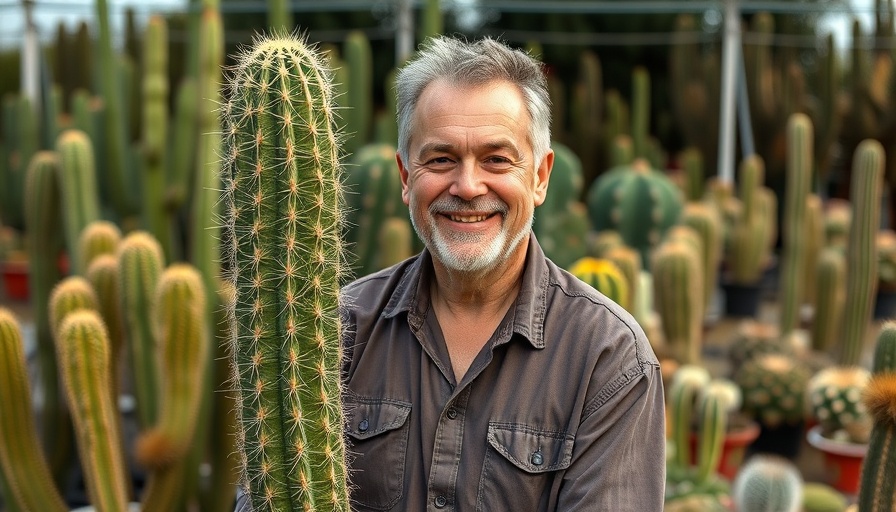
15, 279
843, 460
734, 448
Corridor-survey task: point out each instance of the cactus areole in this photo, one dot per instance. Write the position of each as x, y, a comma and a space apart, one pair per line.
284, 203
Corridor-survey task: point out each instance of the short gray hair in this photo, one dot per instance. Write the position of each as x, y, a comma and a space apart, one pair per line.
472, 64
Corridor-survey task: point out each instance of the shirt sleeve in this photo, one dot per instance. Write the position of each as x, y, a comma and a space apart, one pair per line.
620, 448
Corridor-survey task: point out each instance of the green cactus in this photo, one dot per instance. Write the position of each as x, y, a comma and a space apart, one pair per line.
752, 235
287, 256
183, 353
814, 246
705, 221
640, 111
586, 105
837, 219
830, 277
604, 276
678, 295
184, 141
819, 497
79, 188
694, 173
629, 262
753, 339
768, 482
567, 183
155, 131
98, 238
84, 363
432, 22
140, 263
636, 200
834, 395
279, 16
44, 244
102, 273
70, 294
24, 468
774, 389
373, 194
359, 116
861, 254
876, 491
394, 241
795, 236
564, 234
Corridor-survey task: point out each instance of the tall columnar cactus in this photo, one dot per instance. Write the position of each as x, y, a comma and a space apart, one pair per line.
748, 245
687, 381
359, 115
23, 465
155, 131
705, 220
678, 295
373, 194
395, 241
79, 188
604, 276
103, 276
284, 210
640, 110
629, 262
794, 236
44, 243
98, 238
638, 201
69, 295
83, 350
768, 482
814, 245
183, 352
876, 491
280, 16
830, 277
694, 173
140, 263
586, 112
861, 254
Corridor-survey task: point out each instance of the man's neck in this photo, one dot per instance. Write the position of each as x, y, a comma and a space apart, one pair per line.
479, 294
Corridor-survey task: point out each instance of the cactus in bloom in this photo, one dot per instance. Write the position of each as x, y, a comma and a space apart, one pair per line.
861, 253
774, 387
140, 262
835, 399
24, 469
876, 491
830, 277
284, 209
768, 482
79, 188
795, 236
678, 295
97, 238
604, 276
83, 351
636, 200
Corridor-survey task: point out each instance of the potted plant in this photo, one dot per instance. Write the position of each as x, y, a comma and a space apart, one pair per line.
773, 388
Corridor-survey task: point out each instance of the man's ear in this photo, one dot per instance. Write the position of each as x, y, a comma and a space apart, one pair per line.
542, 175
402, 170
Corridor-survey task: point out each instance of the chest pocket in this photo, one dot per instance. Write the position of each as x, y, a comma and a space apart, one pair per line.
520, 465
378, 436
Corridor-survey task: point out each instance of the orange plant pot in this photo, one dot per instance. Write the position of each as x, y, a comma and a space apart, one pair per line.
842, 460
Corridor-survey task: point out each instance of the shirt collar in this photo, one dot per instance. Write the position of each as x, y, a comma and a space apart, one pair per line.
411, 296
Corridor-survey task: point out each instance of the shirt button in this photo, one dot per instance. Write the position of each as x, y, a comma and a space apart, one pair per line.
441, 501
537, 459
452, 413
363, 425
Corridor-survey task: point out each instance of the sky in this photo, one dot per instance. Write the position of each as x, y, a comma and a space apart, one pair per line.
48, 13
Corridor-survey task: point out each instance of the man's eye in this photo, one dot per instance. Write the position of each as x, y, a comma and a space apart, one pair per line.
439, 160
497, 160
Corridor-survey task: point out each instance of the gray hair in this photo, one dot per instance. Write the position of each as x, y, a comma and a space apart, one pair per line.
473, 64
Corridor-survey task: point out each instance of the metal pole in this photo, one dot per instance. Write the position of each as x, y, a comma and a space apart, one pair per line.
30, 72
745, 123
404, 35
730, 45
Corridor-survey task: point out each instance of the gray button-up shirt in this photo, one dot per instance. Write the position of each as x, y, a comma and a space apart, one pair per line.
561, 410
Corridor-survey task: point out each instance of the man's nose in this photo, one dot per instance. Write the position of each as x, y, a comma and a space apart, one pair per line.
468, 181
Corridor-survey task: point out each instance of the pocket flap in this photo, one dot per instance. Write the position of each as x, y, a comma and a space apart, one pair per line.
531, 449
368, 417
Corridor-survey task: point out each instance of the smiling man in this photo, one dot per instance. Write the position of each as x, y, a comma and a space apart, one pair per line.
478, 374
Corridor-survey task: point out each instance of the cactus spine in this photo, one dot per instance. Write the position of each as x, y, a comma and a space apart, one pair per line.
284, 210
155, 130
22, 461
83, 351
139, 265
861, 254
795, 237
80, 192
876, 491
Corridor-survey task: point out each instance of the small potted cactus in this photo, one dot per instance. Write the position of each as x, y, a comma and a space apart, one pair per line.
773, 387
768, 482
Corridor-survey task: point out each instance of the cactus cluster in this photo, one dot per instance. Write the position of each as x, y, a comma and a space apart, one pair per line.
774, 389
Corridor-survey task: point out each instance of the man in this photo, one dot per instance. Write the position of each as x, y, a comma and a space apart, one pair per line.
478, 375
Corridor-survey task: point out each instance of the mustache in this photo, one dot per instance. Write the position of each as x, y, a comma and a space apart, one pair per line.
457, 205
